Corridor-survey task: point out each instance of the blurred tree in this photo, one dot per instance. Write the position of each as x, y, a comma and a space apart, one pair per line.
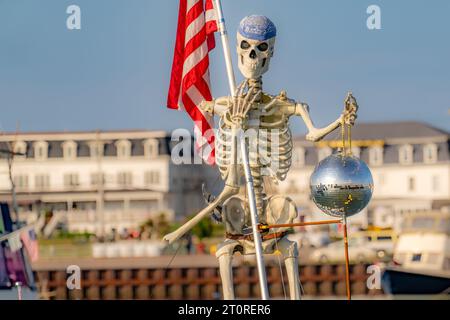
204, 228
162, 225
158, 226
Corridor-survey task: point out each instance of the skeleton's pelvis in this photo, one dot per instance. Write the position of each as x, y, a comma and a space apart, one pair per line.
277, 210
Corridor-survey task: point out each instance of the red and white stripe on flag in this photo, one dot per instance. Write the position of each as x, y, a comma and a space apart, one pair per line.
189, 83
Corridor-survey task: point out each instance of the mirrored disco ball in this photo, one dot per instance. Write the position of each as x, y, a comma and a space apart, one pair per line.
341, 185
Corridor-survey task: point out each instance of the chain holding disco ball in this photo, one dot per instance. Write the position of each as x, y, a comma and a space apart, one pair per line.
341, 184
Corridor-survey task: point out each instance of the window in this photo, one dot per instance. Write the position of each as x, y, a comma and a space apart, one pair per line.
376, 156
96, 149
356, 151
411, 184
430, 153
21, 148
151, 148
123, 148
323, 153
416, 257
42, 181
125, 179
71, 180
384, 238
406, 154
299, 157
41, 150
70, 150
97, 178
21, 181
152, 177
423, 223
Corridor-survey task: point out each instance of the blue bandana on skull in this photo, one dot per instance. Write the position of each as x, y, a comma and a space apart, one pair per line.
257, 27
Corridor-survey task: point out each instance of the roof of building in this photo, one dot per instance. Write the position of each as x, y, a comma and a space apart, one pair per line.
63, 132
393, 130
411, 129
392, 135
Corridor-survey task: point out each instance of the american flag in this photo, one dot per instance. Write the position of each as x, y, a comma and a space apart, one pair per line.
30, 243
189, 84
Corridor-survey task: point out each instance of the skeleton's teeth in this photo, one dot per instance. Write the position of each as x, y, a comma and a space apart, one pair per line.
253, 66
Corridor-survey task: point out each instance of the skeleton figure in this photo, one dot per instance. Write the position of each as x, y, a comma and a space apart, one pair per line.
264, 119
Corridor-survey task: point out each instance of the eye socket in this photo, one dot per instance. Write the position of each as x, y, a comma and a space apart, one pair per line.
263, 46
245, 45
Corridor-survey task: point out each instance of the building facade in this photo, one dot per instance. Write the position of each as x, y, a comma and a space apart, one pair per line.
97, 181
410, 165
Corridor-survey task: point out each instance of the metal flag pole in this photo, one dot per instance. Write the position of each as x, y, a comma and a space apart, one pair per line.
255, 224
245, 162
225, 46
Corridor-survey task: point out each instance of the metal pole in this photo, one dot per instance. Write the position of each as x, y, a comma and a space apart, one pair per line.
299, 224
100, 187
254, 216
248, 176
347, 263
13, 190
19, 290
225, 46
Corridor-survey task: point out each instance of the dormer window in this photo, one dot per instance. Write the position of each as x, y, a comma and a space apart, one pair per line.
323, 153
430, 153
376, 156
151, 148
40, 150
356, 151
96, 149
299, 157
123, 149
405, 154
70, 150
20, 147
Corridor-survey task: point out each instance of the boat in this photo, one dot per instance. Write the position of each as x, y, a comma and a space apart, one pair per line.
421, 261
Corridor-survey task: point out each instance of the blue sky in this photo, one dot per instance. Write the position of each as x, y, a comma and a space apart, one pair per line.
114, 72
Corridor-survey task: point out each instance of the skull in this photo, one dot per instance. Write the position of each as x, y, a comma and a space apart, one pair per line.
255, 45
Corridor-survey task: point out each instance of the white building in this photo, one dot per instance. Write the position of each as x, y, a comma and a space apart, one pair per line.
410, 164
64, 171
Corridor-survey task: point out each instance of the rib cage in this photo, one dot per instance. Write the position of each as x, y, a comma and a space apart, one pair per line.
270, 147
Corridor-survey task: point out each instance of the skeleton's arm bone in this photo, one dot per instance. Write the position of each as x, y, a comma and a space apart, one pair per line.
227, 192
231, 188
217, 106
314, 134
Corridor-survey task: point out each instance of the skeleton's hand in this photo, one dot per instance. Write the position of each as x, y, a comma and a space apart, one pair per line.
242, 103
351, 107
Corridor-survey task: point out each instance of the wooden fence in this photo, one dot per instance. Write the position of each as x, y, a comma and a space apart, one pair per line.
187, 277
